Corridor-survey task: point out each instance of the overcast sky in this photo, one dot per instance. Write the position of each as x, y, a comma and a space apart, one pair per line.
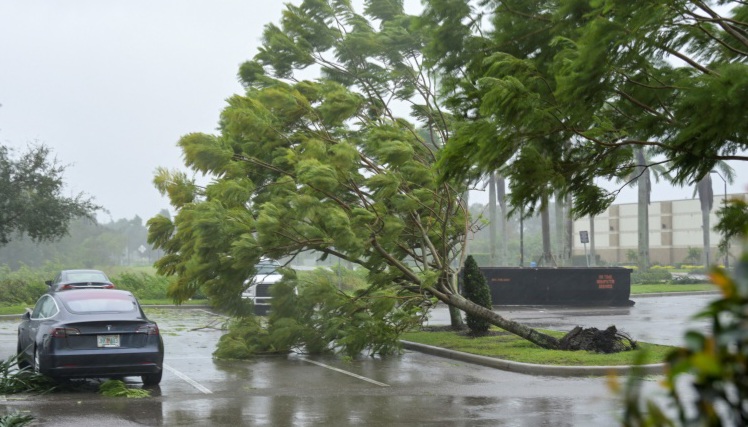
111, 86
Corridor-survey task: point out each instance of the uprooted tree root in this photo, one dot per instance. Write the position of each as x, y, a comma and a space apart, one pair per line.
592, 339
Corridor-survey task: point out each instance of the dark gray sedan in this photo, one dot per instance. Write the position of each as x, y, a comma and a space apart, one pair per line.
90, 333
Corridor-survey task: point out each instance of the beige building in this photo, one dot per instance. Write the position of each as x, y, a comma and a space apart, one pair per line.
674, 227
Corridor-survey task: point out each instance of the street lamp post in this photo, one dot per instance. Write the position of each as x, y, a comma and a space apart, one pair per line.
724, 202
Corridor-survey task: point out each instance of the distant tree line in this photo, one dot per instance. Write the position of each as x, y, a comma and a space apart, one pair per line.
87, 245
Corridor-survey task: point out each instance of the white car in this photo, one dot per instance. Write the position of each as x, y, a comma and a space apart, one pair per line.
257, 288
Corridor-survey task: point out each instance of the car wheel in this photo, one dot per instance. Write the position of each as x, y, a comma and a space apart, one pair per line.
151, 379
21, 359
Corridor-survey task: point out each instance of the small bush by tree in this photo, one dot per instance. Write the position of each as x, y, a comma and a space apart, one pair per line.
475, 288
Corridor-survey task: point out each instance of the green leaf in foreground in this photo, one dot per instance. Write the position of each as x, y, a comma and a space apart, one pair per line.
15, 419
14, 380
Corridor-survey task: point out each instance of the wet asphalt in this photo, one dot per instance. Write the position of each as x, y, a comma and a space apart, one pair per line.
409, 389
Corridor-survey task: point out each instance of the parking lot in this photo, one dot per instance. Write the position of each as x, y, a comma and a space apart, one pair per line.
297, 389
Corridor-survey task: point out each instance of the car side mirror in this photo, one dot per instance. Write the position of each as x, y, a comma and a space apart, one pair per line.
26, 315
48, 282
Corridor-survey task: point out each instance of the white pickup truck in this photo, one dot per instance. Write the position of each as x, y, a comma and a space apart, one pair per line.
257, 288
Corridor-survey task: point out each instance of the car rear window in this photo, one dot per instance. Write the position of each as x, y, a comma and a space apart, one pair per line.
82, 302
91, 276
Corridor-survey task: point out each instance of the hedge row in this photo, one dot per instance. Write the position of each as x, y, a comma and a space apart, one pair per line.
25, 286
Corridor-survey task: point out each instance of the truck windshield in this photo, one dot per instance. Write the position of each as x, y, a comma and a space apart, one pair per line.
266, 268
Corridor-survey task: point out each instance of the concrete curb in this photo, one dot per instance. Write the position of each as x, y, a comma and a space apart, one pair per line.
533, 369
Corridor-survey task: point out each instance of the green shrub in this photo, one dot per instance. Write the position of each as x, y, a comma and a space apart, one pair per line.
23, 286
143, 285
483, 259
651, 276
689, 280
475, 289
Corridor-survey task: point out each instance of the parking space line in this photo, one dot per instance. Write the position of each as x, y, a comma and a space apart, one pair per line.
189, 380
345, 372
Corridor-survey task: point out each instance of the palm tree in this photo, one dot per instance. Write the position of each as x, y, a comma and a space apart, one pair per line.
641, 177
497, 193
706, 198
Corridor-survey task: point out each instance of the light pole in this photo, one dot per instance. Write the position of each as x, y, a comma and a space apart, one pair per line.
724, 202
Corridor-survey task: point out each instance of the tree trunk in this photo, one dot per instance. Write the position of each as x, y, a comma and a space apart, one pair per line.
707, 243
455, 316
545, 221
559, 227
522, 238
593, 260
643, 184
493, 219
522, 331
706, 199
501, 196
569, 228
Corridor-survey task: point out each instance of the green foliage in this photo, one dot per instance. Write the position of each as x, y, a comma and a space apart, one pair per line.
87, 245
560, 93
475, 288
31, 190
317, 317
481, 258
694, 256
117, 388
632, 256
246, 337
143, 285
345, 279
732, 222
330, 166
651, 276
689, 280
14, 380
324, 165
713, 363
323, 318
15, 419
23, 286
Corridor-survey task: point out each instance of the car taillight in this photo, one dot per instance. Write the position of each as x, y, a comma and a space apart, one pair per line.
148, 329
66, 287
64, 332
109, 286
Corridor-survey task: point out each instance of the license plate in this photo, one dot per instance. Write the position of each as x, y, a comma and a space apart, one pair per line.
107, 340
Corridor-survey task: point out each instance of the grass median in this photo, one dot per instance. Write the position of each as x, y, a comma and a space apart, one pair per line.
506, 346
672, 288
